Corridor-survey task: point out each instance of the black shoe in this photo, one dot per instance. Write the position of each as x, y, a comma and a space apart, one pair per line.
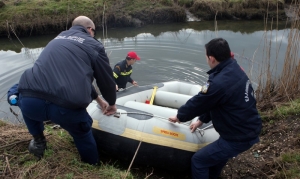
37, 146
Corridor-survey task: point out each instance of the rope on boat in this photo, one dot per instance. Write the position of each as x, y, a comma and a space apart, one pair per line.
201, 131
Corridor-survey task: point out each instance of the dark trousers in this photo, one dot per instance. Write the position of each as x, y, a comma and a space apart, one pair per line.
77, 122
209, 161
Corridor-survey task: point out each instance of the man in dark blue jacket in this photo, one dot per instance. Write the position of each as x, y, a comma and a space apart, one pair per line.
59, 88
228, 101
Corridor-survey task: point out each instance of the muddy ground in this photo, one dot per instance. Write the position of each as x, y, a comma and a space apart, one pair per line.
263, 160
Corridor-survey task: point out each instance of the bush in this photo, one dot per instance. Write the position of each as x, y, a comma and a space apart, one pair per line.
167, 2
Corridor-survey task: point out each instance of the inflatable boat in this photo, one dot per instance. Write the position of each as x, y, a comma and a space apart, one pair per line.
141, 126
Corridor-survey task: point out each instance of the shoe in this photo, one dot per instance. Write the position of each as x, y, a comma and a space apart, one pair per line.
38, 145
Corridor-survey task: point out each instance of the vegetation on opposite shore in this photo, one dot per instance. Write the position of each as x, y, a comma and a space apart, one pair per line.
33, 17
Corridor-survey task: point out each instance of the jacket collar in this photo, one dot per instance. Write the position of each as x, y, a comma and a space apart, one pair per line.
79, 28
125, 62
221, 65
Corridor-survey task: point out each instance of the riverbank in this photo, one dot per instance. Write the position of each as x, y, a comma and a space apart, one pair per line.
277, 155
36, 17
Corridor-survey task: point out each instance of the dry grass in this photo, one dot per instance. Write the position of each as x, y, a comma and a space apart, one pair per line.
61, 159
274, 88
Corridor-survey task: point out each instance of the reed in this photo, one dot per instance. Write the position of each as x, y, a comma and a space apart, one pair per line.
274, 87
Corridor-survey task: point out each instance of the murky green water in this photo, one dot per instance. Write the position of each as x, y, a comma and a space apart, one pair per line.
167, 51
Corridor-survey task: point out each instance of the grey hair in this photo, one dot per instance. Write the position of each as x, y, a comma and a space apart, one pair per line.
83, 21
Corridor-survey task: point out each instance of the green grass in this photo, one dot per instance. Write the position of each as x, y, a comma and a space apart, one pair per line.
283, 110
291, 158
2, 123
61, 159
291, 108
42, 14
37, 8
290, 164
61, 9
239, 1
35, 17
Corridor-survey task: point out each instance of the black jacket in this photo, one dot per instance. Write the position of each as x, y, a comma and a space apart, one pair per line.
64, 72
122, 72
229, 102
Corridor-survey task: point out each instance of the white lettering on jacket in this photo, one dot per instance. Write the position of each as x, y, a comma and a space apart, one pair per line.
74, 38
246, 91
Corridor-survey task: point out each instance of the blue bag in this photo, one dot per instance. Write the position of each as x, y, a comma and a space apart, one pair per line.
13, 91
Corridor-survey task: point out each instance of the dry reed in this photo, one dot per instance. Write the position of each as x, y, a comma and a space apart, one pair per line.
273, 88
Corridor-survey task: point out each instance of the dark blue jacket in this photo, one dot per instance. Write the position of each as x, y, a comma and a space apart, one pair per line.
64, 72
122, 72
229, 102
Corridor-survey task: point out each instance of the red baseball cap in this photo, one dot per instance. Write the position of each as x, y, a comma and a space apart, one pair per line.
133, 55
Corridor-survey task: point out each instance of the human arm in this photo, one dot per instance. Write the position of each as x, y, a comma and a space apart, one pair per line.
110, 110
205, 118
200, 104
174, 119
106, 109
195, 125
103, 104
116, 71
193, 108
116, 74
134, 83
106, 59
104, 78
130, 80
94, 93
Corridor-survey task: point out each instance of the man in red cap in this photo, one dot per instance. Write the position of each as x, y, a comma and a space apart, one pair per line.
123, 70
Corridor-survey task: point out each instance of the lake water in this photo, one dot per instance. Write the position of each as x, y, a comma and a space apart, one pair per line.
167, 51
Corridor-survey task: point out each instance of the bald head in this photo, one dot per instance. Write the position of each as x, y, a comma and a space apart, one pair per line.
83, 21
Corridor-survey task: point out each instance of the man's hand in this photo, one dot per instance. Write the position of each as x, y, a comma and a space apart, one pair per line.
110, 110
117, 88
134, 83
103, 104
174, 119
195, 125
105, 108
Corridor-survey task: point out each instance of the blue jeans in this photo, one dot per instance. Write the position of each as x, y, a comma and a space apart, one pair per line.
77, 122
209, 161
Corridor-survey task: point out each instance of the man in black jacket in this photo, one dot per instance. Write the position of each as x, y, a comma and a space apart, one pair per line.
59, 88
227, 99
122, 71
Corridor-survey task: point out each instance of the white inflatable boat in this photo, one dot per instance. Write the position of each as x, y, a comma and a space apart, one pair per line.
142, 116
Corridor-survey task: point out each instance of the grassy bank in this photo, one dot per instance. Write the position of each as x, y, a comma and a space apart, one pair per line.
61, 159
44, 17
238, 9
29, 17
